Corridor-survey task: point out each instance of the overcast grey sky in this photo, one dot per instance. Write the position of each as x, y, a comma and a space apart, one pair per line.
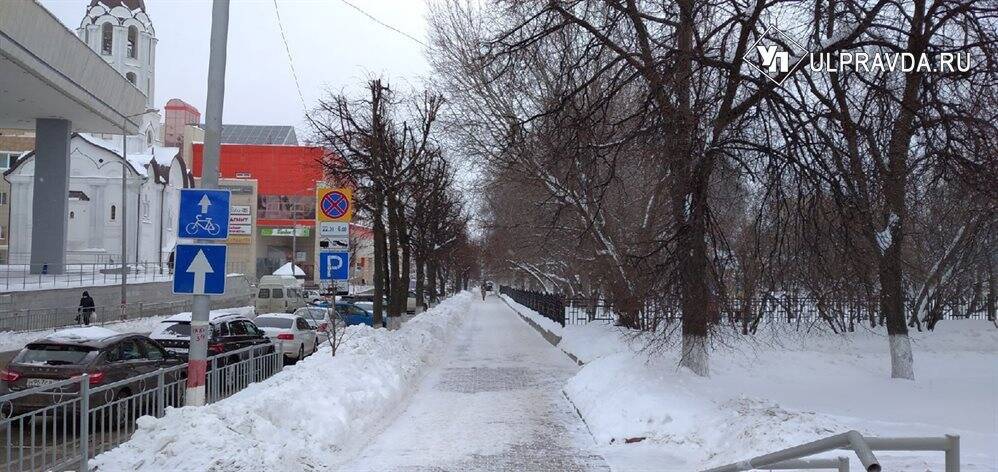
333, 45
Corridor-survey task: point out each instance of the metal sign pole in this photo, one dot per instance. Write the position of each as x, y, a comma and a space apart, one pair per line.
198, 354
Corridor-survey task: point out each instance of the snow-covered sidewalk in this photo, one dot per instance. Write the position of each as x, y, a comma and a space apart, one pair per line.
494, 404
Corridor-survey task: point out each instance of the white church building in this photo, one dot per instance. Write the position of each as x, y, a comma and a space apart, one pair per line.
122, 34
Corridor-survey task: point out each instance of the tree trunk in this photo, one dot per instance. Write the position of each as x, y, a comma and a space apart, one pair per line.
893, 181
406, 268
393, 259
379, 264
420, 274
431, 279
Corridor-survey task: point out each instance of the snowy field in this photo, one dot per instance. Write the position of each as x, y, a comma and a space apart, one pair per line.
13, 340
310, 416
781, 388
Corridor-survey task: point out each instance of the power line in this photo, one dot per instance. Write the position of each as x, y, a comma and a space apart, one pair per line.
382, 23
291, 61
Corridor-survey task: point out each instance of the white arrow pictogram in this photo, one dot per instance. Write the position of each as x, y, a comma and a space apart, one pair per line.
199, 267
204, 203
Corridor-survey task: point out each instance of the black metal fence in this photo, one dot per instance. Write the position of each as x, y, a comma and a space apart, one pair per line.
550, 306
842, 314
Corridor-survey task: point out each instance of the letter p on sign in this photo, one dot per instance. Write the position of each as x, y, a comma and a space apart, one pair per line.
334, 266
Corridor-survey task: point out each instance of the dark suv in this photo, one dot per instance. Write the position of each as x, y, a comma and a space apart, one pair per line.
108, 356
229, 332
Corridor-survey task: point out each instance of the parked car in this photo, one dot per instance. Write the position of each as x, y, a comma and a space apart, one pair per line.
107, 355
318, 316
313, 296
295, 335
488, 286
366, 301
351, 314
229, 332
277, 293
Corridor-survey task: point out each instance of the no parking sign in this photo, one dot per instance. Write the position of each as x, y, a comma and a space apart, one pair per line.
334, 204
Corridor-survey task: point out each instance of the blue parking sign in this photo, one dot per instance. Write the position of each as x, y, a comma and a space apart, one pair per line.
204, 214
334, 265
199, 269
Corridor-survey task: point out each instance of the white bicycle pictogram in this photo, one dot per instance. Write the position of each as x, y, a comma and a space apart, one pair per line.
205, 224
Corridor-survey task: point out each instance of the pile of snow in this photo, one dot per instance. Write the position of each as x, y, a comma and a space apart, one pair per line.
84, 334
303, 417
289, 269
784, 386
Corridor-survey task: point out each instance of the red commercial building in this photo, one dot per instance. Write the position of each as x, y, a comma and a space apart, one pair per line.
286, 176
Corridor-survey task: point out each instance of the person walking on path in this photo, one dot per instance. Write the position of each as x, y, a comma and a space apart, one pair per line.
85, 310
482, 287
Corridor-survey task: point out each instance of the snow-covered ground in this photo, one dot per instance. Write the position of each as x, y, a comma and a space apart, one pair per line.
12, 340
781, 388
307, 417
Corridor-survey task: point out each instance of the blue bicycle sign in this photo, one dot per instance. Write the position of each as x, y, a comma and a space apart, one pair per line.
204, 214
204, 224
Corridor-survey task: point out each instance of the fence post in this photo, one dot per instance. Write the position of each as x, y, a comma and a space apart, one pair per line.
843, 464
160, 393
952, 453
84, 422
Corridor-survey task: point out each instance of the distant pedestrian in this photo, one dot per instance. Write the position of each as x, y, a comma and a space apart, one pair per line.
483, 291
86, 309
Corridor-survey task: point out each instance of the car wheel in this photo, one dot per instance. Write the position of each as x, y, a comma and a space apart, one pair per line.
301, 352
315, 346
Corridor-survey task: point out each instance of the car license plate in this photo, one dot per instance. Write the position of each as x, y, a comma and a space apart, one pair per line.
38, 382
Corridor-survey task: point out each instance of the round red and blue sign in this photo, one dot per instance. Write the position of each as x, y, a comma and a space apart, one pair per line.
334, 205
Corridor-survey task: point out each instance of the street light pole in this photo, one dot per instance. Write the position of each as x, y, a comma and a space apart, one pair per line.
124, 222
198, 355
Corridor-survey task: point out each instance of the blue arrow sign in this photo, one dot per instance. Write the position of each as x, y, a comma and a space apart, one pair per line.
334, 265
199, 269
204, 214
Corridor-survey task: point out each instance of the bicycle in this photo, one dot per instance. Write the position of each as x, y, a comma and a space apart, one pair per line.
205, 224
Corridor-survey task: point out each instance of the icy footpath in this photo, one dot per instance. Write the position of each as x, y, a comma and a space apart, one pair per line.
303, 417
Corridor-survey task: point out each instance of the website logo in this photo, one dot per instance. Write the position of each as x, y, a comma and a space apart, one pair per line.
776, 54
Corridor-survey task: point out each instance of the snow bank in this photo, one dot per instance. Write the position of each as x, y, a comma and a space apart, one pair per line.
304, 417
784, 387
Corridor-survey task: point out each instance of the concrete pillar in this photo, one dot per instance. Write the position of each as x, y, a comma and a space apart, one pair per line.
50, 198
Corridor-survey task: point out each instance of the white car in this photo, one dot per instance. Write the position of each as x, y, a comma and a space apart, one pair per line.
292, 332
318, 317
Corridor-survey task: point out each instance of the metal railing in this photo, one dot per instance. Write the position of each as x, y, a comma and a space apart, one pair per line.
844, 314
31, 319
62, 425
794, 457
548, 305
21, 277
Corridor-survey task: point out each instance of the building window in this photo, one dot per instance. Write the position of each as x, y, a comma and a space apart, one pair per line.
2, 234
133, 42
7, 159
113, 212
3, 198
106, 39
131, 77
149, 137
